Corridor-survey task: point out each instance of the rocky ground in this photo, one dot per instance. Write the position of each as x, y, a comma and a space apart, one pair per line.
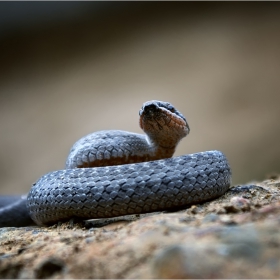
235, 236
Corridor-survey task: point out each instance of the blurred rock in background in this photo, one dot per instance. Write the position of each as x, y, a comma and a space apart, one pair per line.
69, 69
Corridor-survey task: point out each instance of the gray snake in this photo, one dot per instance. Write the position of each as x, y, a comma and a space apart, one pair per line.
115, 173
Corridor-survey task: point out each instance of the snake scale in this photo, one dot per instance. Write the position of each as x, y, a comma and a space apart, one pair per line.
115, 173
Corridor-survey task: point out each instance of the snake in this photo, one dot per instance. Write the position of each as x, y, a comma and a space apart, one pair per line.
113, 173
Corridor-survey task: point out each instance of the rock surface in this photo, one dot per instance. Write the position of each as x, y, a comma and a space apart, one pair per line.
235, 236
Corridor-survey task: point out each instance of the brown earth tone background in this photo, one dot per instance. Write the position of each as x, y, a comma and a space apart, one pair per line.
68, 69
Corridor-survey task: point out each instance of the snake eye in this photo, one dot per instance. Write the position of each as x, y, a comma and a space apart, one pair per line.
171, 109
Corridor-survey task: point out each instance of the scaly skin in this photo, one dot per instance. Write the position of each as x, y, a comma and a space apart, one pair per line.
164, 129
113, 173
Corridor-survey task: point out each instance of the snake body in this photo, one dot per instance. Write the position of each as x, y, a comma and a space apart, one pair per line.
114, 173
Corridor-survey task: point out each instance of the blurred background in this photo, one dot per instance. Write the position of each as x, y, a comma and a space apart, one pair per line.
71, 68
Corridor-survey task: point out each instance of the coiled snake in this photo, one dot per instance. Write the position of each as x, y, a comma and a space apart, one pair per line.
114, 173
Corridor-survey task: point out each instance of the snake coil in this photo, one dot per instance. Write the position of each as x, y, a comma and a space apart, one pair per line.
87, 189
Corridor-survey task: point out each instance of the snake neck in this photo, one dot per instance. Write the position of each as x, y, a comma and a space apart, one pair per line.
160, 149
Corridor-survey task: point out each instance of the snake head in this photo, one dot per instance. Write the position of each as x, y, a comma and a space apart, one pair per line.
163, 123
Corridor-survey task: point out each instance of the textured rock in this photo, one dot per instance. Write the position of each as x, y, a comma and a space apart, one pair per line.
205, 241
